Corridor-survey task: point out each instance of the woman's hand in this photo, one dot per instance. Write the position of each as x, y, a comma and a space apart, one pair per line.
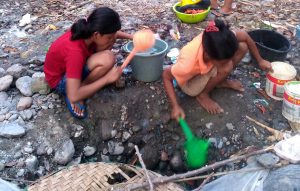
113, 75
177, 112
265, 65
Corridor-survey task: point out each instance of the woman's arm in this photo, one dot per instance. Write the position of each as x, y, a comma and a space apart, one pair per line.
177, 111
123, 35
77, 92
243, 36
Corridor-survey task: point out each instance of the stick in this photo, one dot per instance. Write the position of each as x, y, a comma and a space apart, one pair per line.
161, 180
144, 167
221, 174
80, 5
204, 182
278, 135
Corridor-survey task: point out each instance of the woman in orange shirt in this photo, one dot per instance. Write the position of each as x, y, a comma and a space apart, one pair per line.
205, 62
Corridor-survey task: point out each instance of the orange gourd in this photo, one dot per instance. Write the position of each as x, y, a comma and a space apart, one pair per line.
142, 41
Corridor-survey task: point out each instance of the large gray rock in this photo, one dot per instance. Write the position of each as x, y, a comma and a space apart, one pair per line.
15, 70
5, 82
65, 153
11, 130
24, 85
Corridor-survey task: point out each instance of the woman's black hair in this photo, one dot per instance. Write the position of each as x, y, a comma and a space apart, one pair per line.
102, 20
220, 44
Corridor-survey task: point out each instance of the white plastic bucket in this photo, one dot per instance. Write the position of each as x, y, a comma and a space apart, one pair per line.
291, 103
282, 73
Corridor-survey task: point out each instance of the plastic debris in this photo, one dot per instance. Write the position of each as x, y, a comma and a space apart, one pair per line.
25, 20
173, 55
289, 149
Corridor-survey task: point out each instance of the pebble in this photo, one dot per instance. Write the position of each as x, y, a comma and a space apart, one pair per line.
89, 151
15, 70
2, 166
18, 155
11, 130
5, 82
49, 151
28, 148
41, 150
176, 162
209, 125
2, 118
230, 126
21, 172
268, 160
136, 128
125, 136
115, 148
105, 158
24, 103
31, 163
13, 117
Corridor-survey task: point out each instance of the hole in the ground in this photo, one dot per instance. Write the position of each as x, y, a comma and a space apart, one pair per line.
119, 178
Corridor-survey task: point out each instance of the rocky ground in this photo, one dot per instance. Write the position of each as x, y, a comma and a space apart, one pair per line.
39, 136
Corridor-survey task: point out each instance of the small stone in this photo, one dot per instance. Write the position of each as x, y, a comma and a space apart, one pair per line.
2, 72
115, 148
28, 148
125, 136
11, 130
24, 103
3, 98
20, 172
213, 141
18, 155
209, 125
105, 158
268, 160
65, 153
13, 117
41, 171
104, 151
41, 150
89, 151
2, 118
31, 163
151, 156
176, 162
164, 156
7, 116
230, 126
2, 166
136, 128
49, 151
5, 82
114, 133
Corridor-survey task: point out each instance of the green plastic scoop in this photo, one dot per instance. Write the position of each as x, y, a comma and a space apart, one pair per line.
195, 148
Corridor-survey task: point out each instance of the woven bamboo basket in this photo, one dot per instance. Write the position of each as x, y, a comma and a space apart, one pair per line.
95, 177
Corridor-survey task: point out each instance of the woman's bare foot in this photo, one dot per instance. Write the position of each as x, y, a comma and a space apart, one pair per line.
208, 104
232, 84
77, 109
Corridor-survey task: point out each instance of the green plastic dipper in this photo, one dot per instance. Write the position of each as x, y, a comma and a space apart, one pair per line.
195, 148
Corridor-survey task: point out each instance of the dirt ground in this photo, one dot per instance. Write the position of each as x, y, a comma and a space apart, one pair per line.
139, 113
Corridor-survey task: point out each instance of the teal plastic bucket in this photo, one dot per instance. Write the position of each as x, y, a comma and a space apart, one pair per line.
148, 66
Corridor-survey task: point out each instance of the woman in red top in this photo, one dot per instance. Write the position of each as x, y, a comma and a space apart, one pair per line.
80, 62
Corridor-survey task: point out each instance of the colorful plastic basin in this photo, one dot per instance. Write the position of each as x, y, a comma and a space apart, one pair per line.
190, 18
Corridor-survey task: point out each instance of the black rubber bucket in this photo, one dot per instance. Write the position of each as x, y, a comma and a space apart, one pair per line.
272, 46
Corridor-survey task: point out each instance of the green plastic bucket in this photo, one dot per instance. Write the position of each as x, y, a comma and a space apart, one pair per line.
148, 66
